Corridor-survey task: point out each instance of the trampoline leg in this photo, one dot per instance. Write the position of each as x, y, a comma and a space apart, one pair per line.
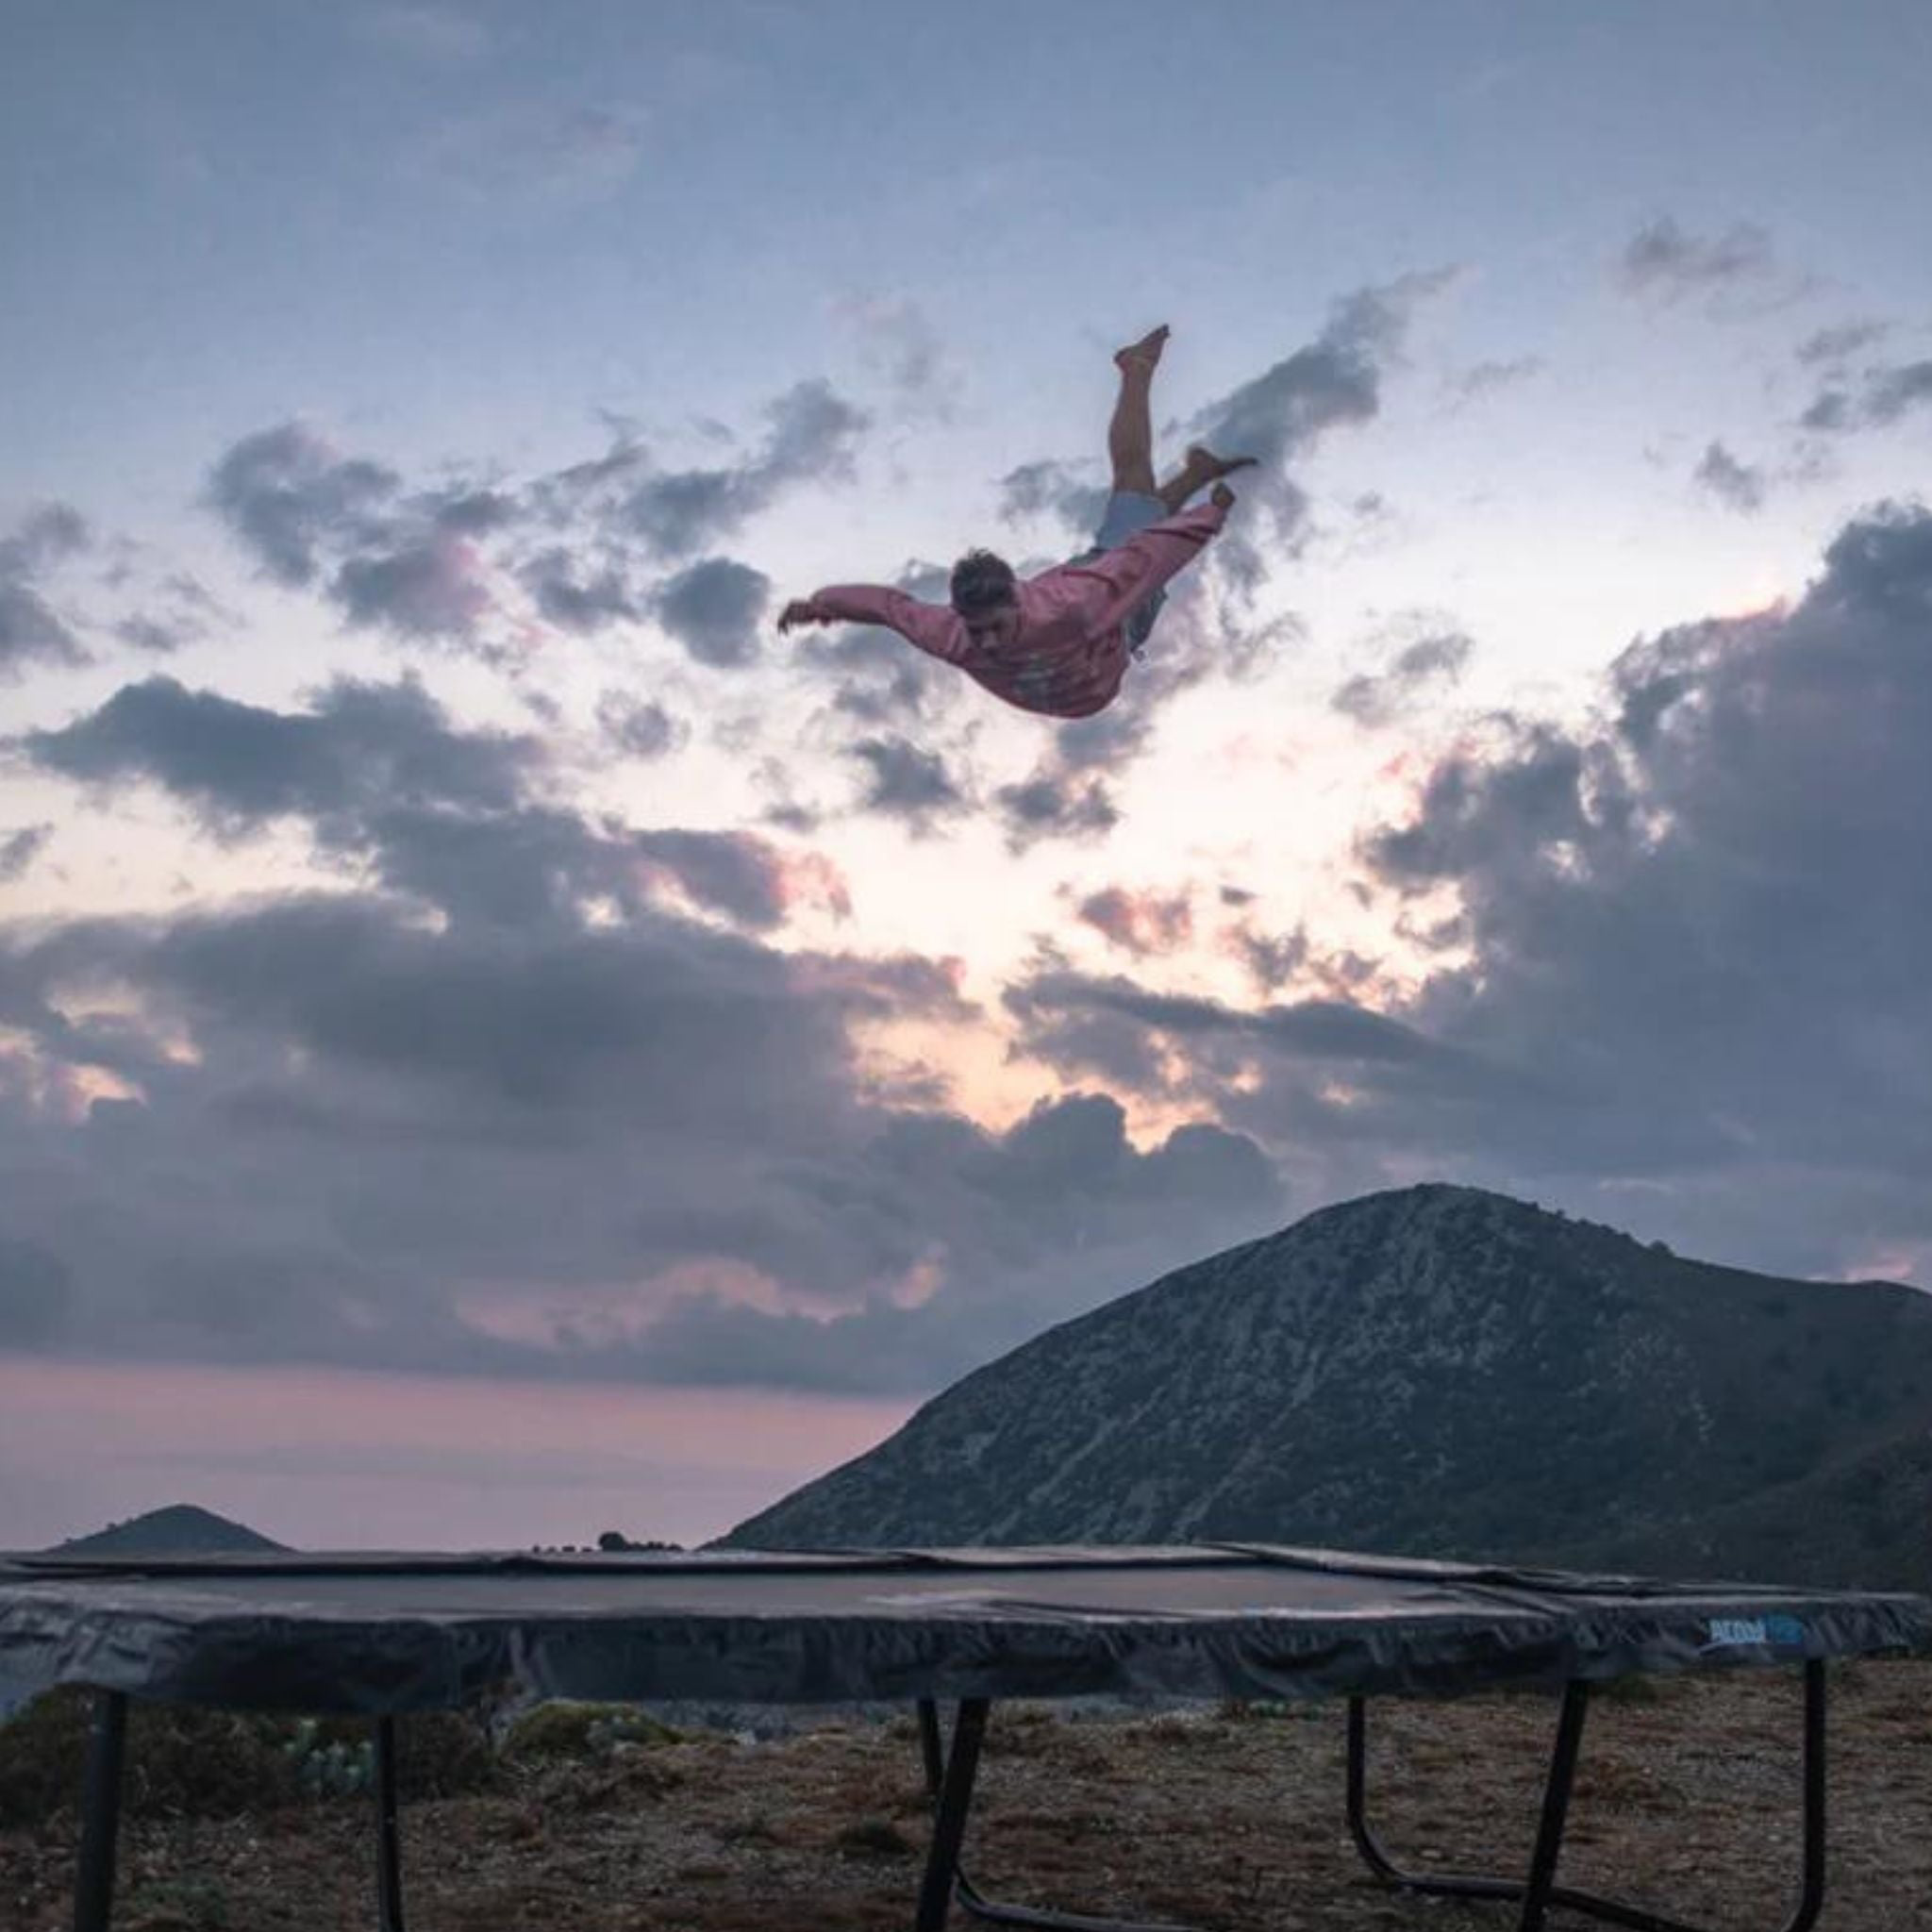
1812, 1883
1549, 1834
93, 1883
962, 1891
389, 1869
954, 1796
1549, 1838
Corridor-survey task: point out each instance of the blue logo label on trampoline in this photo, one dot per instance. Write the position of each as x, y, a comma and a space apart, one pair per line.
1726, 1633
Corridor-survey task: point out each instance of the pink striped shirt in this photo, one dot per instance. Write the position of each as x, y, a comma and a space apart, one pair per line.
1069, 651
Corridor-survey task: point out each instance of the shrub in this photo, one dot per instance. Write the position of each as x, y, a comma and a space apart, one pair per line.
184, 1762
570, 1729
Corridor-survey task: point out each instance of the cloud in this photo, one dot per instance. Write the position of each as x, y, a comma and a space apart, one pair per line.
1334, 382
1065, 1182
897, 341
1665, 264
1052, 489
362, 747
554, 578
640, 728
1882, 397
432, 564
1054, 804
812, 438
907, 783
1481, 380
1738, 486
20, 849
714, 610
31, 631
1138, 922
1832, 346
1437, 658
290, 497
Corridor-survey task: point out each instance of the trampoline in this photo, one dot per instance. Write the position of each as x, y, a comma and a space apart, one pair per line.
383, 1635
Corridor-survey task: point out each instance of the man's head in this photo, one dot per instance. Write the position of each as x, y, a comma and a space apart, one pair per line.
985, 591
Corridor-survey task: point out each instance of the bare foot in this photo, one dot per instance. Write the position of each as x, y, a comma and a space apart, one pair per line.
1144, 354
1210, 468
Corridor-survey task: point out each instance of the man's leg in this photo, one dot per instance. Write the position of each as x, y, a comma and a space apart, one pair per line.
1130, 434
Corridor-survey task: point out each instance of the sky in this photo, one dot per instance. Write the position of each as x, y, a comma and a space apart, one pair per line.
497, 1043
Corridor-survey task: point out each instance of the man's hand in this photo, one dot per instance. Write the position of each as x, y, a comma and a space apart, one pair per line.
1222, 497
800, 610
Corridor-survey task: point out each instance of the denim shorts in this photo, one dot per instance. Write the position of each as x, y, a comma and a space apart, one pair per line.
1127, 512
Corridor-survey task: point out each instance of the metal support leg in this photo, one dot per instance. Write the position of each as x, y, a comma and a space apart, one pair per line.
1549, 1831
93, 1883
1614, 1911
949, 1815
388, 1868
962, 1888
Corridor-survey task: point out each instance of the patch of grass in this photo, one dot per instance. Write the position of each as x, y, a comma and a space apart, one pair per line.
566, 1728
176, 1905
873, 1837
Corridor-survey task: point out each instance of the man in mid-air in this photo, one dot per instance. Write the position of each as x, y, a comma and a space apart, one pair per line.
1059, 643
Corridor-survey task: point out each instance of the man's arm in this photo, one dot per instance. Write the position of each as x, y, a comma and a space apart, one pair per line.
933, 628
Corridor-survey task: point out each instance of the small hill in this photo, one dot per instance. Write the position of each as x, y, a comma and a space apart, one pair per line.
179, 1529
1437, 1371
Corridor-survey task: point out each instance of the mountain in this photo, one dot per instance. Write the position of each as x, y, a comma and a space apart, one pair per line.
1436, 1370
179, 1529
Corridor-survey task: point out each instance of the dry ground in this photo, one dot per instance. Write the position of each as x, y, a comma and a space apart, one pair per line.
1686, 1800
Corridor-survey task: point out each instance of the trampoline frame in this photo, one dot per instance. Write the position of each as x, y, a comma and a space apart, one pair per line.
952, 1769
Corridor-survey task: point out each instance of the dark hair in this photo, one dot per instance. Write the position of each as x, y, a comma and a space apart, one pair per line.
981, 583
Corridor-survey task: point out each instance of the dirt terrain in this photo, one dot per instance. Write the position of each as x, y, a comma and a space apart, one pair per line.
1230, 1817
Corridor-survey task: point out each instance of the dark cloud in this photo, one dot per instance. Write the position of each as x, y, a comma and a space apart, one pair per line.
640, 728
1881, 397
394, 1132
31, 630
1138, 922
1065, 1182
878, 677
554, 578
1665, 262
812, 438
19, 850
907, 783
150, 635
1332, 383
714, 609
422, 564
1052, 489
736, 873
1436, 658
1055, 804
291, 500
1738, 486
1676, 972
430, 589
1828, 346
47, 535
364, 747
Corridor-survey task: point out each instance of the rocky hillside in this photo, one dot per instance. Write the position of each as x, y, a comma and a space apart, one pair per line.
1436, 1370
